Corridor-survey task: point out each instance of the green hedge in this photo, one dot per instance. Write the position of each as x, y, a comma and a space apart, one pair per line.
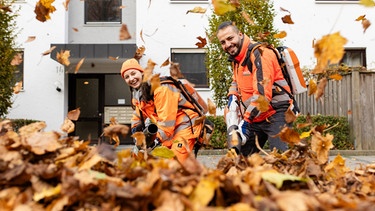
340, 130
18, 123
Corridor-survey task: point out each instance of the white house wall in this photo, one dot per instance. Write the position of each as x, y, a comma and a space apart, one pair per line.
164, 26
100, 33
40, 100
313, 21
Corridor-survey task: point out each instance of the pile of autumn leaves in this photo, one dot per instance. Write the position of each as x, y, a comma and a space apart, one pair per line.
48, 171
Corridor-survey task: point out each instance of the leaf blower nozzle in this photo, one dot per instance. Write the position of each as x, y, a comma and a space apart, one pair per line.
234, 141
150, 133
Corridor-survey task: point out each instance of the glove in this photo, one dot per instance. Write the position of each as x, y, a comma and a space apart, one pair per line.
147, 122
242, 130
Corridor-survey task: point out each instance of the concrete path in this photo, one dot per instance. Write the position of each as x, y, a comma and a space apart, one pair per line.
353, 159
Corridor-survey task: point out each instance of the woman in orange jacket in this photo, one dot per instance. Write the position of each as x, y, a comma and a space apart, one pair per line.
166, 107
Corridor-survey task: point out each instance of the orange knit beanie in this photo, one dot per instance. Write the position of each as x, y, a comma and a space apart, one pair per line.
130, 64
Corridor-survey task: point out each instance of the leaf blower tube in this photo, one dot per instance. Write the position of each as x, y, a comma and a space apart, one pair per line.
232, 119
150, 134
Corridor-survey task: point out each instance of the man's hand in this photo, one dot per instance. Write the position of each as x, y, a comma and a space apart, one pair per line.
242, 130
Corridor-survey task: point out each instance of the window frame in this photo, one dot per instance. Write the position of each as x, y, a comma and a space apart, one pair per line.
192, 51
361, 50
22, 70
86, 22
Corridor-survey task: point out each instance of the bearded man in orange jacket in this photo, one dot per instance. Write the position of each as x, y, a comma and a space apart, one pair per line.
166, 107
248, 86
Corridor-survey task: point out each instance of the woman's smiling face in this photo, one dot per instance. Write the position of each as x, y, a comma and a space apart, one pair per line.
133, 78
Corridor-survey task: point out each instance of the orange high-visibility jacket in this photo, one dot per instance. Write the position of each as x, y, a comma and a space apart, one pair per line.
249, 85
173, 114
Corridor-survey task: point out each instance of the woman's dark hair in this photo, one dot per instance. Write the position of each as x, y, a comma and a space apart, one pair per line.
145, 89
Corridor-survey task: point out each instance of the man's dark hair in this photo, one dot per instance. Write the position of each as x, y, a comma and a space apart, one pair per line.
225, 24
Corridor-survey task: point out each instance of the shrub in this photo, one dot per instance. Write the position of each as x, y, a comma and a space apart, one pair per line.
219, 136
7, 53
18, 123
339, 129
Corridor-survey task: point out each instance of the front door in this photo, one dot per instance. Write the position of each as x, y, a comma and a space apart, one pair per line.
99, 97
86, 92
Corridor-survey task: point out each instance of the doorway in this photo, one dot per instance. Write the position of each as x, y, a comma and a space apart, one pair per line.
95, 95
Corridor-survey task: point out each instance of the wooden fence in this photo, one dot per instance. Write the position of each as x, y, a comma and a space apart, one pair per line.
353, 97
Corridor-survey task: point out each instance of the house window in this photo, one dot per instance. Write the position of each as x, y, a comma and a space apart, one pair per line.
192, 65
102, 11
354, 57
18, 62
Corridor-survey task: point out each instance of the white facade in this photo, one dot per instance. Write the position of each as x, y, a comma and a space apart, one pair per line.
164, 26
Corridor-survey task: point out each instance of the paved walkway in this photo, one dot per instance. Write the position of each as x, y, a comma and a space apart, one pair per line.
353, 158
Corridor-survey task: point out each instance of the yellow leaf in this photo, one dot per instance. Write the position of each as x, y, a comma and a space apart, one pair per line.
262, 103
336, 77
211, 107
162, 152
362, 17
222, 6
280, 35
204, 192
329, 50
367, 3
197, 10
63, 57
312, 87
336, 168
305, 134
279, 178
47, 193
43, 9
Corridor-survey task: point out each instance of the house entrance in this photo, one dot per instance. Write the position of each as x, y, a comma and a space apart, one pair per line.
99, 97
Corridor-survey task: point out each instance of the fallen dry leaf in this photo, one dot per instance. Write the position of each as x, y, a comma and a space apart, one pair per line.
49, 51
63, 57
202, 42
78, 66
68, 126
18, 87
74, 114
124, 33
30, 39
